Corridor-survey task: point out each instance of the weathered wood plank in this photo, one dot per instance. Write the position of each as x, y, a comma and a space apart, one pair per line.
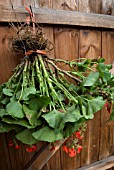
44, 157
4, 154
93, 6
107, 127
6, 55
100, 165
70, 5
90, 47
108, 7
50, 16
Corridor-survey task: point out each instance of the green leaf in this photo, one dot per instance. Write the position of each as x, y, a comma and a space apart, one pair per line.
47, 134
8, 92
104, 71
73, 114
89, 107
87, 111
57, 119
3, 112
71, 128
18, 94
96, 104
101, 60
15, 109
4, 127
25, 136
5, 101
39, 102
27, 92
20, 122
13, 99
54, 118
32, 115
91, 79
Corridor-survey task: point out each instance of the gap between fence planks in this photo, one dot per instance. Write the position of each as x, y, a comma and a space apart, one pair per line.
52, 16
100, 165
43, 156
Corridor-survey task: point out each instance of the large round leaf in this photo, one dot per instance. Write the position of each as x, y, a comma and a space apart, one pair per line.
15, 109
25, 136
47, 134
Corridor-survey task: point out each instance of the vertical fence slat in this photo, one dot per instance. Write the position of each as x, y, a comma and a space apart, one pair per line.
92, 6
107, 127
90, 47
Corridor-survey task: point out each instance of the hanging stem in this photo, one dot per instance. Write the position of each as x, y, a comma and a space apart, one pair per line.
63, 71
49, 81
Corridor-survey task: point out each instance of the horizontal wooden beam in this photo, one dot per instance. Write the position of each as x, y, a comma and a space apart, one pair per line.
100, 165
61, 17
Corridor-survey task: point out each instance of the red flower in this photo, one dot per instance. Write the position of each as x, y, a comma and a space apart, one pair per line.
65, 148
31, 149
78, 135
108, 106
10, 143
17, 146
79, 149
72, 152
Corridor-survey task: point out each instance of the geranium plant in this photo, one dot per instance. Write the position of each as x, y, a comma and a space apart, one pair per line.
40, 103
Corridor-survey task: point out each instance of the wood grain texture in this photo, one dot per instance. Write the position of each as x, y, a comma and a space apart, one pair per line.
8, 59
90, 47
4, 154
107, 127
69, 5
62, 17
100, 165
93, 6
108, 7
45, 156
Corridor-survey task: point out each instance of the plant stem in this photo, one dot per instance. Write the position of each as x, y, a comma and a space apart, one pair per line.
49, 81
39, 75
24, 79
63, 71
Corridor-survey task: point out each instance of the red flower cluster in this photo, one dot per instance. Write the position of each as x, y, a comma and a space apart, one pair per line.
31, 149
11, 143
72, 151
78, 135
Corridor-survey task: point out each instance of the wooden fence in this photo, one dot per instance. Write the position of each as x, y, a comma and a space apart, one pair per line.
75, 32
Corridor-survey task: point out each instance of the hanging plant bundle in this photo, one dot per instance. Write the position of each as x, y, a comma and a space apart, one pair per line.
40, 103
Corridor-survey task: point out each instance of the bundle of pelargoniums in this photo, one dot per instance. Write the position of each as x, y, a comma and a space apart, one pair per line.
39, 102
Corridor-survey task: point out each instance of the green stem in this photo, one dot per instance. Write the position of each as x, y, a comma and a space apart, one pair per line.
49, 81
39, 76
63, 71
65, 91
33, 74
24, 78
